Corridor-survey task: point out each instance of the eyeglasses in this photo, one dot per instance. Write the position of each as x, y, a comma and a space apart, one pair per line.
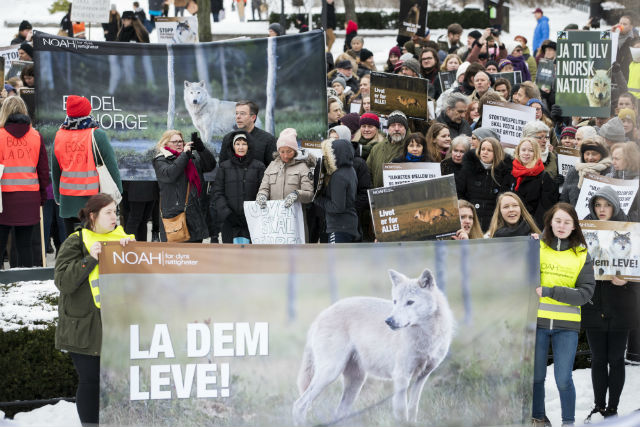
177, 142
241, 114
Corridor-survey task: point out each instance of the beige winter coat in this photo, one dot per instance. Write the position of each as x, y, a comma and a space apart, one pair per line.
280, 179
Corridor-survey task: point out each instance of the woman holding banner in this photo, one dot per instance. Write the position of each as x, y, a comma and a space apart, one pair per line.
608, 319
566, 283
625, 159
79, 329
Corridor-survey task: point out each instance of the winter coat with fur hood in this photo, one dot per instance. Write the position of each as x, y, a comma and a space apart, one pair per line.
281, 179
173, 184
367, 145
339, 198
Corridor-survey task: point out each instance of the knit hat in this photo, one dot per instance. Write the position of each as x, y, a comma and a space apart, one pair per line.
339, 80
406, 56
365, 54
27, 48
523, 38
342, 131
483, 133
25, 25
475, 34
288, 138
239, 135
128, 14
370, 119
613, 130
627, 113
593, 145
462, 69
504, 63
277, 28
344, 64
412, 64
571, 27
398, 116
9, 88
568, 131
78, 106
490, 62
395, 51
534, 101
552, 45
352, 27
511, 45
352, 121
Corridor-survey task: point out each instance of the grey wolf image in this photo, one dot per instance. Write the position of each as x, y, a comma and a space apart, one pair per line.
620, 245
403, 339
184, 34
211, 116
595, 249
599, 91
432, 215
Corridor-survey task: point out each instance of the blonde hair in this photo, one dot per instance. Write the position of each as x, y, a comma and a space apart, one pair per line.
630, 152
447, 59
476, 231
12, 105
534, 145
166, 136
498, 154
497, 221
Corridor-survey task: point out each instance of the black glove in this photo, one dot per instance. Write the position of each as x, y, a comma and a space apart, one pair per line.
556, 113
615, 68
198, 145
559, 179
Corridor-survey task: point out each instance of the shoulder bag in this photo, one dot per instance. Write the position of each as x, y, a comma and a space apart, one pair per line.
176, 228
107, 184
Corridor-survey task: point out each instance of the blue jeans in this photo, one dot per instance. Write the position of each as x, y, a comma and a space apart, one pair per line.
564, 344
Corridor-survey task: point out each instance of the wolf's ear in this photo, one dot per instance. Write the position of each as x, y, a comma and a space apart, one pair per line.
396, 277
426, 279
186, 84
201, 83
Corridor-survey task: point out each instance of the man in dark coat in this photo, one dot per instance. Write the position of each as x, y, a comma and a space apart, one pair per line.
24, 33
453, 115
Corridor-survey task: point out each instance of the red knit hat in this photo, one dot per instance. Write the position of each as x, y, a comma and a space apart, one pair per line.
370, 119
78, 106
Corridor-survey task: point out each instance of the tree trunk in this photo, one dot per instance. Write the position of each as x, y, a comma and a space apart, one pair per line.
171, 107
350, 10
204, 21
272, 67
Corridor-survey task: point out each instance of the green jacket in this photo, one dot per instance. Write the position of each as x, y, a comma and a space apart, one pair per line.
367, 145
531, 62
79, 324
71, 205
382, 153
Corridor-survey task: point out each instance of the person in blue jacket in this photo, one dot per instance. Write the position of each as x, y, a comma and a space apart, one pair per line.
541, 33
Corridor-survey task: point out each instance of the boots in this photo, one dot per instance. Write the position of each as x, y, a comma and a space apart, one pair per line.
595, 410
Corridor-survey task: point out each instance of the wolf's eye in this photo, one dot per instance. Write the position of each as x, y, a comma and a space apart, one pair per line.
410, 302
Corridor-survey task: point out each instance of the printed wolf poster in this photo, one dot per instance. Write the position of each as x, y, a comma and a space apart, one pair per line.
583, 73
140, 90
397, 92
612, 249
191, 338
412, 20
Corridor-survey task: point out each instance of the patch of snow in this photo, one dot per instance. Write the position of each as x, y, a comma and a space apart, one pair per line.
21, 304
62, 414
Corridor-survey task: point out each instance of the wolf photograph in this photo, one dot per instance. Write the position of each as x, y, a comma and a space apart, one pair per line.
418, 333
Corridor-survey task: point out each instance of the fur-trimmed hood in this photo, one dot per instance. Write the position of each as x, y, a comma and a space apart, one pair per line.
163, 152
303, 156
337, 153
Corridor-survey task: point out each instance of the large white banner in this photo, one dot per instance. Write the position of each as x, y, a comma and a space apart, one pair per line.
90, 10
507, 119
626, 189
567, 158
403, 173
275, 225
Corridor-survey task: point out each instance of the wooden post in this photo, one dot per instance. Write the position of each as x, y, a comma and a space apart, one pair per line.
42, 244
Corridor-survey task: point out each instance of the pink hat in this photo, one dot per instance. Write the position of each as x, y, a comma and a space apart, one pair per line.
288, 138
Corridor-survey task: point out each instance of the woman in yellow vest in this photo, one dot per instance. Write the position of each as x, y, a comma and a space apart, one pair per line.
567, 282
79, 329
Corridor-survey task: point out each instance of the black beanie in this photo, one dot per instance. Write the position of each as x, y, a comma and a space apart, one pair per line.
365, 54
27, 48
25, 25
398, 116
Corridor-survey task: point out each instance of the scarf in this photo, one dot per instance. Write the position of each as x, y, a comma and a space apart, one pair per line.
544, 155
520, 171
595, 168
77, 123
411, 158
522, 228
190, 170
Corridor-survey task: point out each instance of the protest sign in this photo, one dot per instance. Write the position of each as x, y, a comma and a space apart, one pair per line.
583, 73
90, 11
567, 158
196, 335
179, 29
446, 79
313, 147
139, 90
612, 249
507, 119
397, 92
2, 69
626, 189
275, 225
545, 76
412, 19
416, 211
514, 77
402, 173
9, 54
16, 67
28, 95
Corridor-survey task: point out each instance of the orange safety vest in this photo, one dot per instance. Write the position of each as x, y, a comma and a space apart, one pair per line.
74, 152
20, 159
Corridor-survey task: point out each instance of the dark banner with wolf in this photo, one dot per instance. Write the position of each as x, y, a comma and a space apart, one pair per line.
398, 92
418, 331
583, 73
138, 91
412, 20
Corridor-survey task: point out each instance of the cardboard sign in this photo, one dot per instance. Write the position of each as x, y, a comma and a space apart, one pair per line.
179, 29
28, 95
507, 119
626, 189
397, 92
567, 158
514, 77
412, 19
446, 79
15, 70
275, 225
403, 173
545, 76
583, 73
9, 54
90, 11
614, 247
417, 211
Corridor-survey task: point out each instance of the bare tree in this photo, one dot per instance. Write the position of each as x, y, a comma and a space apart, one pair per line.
204, 21
350, 10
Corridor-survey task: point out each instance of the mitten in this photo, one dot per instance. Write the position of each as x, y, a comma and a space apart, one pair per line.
559, 180
556, 112
290, 199
261, 200
198, 145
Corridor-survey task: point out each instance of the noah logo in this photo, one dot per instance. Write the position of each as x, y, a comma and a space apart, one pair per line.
135, 258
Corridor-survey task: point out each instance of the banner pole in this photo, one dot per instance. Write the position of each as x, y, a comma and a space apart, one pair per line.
42, 245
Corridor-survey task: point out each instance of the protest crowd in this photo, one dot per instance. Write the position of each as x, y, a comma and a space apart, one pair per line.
503, 190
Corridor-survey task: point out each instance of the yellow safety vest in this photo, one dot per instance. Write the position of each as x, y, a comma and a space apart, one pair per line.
634, 79
560, 268
89, 238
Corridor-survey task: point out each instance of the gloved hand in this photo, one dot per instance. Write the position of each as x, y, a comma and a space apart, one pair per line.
198, 145
559, 180
615, 68
556, 113
290, 199
261, 200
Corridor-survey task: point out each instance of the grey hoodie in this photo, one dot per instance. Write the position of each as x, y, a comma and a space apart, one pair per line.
610, 195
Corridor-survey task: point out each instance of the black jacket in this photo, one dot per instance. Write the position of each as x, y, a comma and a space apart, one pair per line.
475, 184
262, 146
448, 166
364, 180
522, 228
173, 183
339, 199
538, 193
455, 129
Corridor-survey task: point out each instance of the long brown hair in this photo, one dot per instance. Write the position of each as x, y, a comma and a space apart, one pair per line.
93, 206
476, 231
576, 238
432, 147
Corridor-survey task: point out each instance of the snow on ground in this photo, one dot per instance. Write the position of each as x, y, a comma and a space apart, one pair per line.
62, 414
22, 304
